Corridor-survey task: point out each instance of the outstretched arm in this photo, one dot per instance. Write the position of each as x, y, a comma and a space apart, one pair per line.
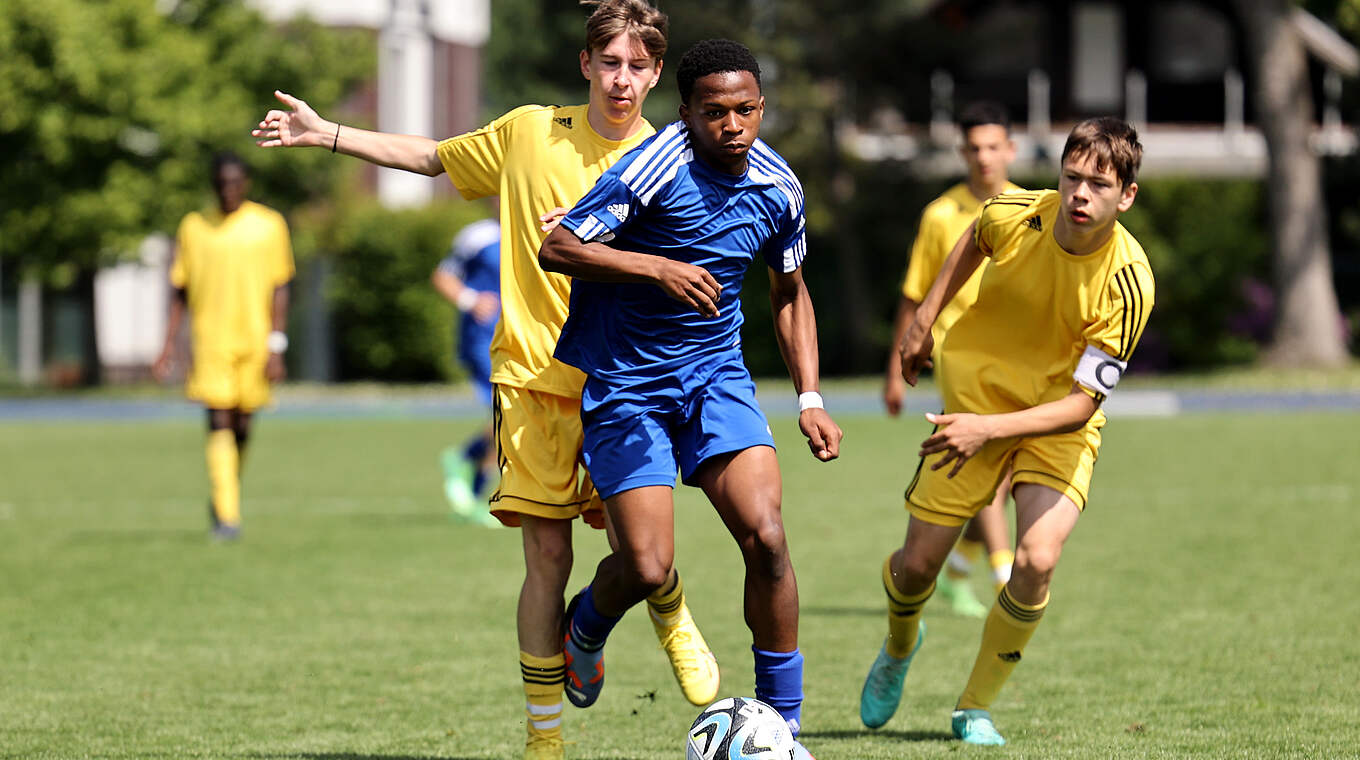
795, 327
915, 346
563, 252
298, 126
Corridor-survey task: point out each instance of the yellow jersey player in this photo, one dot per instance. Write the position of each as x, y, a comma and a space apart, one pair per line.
1063, 300
988, 152
540, 158
231, 270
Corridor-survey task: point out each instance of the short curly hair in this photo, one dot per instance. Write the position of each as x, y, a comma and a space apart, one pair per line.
713, 57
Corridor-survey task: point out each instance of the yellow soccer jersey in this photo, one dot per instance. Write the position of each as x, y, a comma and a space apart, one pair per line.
1039, 307
943, 221
536, 158
229, 267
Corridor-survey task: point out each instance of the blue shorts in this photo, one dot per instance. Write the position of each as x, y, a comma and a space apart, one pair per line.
637, 433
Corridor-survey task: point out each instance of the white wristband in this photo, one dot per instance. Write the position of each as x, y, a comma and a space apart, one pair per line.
467, 298
809, 400
277, 342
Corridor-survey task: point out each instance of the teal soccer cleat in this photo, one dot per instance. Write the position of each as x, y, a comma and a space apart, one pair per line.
976, 727
883, 687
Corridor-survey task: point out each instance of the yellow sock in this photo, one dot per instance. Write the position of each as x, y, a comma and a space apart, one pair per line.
1008, 629
224, 475
1001, 561
667, 600
904, 615
543, 680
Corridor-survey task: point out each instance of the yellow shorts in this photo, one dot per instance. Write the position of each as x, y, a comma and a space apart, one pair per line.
226, 381
538, 447
1062, 462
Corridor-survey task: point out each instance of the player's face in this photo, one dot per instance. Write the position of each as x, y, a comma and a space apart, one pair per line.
723, 114
621, 74
988, 151
1091, 198
231, 185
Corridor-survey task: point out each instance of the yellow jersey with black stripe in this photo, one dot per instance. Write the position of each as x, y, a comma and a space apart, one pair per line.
229, 265
536, 158
943, 222
1039, 307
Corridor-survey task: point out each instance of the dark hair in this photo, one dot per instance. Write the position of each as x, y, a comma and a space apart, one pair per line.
1112, 142
636, 18
224, 158
713, 57
983, 112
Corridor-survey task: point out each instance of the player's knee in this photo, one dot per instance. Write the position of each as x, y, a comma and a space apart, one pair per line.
1036, 563
548, 555
765, 547
915, 571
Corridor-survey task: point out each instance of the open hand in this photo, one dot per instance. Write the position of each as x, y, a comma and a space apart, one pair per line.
299, 126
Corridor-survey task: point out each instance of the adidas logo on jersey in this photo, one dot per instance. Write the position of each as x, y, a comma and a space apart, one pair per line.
619, 210
1035, 223
564, 121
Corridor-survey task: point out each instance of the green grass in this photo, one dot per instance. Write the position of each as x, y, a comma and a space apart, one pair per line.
1205, 606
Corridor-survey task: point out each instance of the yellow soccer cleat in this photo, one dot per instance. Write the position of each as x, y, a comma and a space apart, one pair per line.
540, 747
695, 667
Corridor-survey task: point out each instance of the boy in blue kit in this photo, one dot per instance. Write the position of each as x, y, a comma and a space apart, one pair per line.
469, 277
658, 250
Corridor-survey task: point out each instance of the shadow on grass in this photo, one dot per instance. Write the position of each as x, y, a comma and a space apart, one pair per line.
825, 611
906, 736
348, 756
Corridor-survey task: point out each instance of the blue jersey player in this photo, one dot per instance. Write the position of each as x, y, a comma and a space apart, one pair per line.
469, 277
658, 250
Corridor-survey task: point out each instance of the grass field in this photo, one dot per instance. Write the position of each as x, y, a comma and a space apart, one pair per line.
1205, 607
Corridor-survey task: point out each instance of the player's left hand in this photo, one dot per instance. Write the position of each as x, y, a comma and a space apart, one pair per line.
960, 436
823, 434
553, 218
275, 371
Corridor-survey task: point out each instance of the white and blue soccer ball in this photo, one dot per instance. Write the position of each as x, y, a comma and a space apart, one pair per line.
740, 728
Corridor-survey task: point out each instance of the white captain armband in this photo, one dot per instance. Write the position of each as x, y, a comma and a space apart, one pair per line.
1099, 372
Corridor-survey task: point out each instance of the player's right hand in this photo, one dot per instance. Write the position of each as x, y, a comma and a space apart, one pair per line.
893, 393
690, 284
299, 126
160, 369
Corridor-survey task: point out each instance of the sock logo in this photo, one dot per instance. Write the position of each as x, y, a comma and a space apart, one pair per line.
1009, 656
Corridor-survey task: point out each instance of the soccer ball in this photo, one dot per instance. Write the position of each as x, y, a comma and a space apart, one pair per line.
739, 728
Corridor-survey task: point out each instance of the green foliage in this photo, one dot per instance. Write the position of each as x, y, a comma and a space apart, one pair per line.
111, 110
390, 323
1204, 239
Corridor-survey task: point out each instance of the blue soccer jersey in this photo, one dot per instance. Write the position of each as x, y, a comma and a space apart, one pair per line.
660, 199
475, 258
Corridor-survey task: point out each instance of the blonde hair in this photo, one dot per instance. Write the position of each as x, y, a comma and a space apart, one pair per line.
1112, 142
636, 18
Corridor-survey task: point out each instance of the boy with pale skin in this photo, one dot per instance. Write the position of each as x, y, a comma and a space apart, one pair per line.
1063, 301
536, 159
988, 151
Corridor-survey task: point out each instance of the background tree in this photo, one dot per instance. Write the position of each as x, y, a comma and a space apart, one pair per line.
1307, 330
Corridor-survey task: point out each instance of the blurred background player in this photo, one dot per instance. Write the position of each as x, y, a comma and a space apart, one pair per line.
1064, 299
660, 247
232, 267
988, 152
469, 277
540, 158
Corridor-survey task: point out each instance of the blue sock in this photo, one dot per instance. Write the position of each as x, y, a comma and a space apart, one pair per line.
590, 628
779, 683
475, 452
